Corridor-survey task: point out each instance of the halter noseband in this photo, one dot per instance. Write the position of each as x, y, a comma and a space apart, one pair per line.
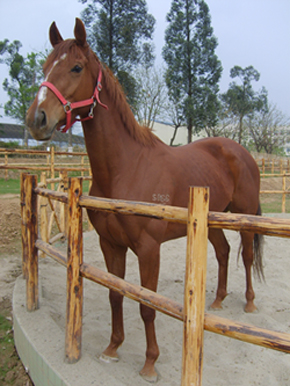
69, 106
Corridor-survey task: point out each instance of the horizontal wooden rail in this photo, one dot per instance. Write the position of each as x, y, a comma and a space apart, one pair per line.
51, 251
249, 223
25, 167
58, 196
160, 212
275, 175
236, 330
274, 192
57, 169
41, 152
231, 221
240, 331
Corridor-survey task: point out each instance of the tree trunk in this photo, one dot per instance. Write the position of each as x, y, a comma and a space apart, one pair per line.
25, 138
189, 131
240, 129
174, 135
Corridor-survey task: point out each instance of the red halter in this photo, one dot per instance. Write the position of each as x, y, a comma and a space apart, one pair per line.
69, 106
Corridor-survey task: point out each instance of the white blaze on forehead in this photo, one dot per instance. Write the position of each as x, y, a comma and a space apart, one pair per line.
43, 90
41, 95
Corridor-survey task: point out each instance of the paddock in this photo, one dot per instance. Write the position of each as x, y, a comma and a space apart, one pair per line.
220, 356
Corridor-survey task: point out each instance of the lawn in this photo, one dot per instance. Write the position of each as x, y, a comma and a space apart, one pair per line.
12, 186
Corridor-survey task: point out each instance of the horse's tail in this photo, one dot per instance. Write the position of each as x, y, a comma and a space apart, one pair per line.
258, 251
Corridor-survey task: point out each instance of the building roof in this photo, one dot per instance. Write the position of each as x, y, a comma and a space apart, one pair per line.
15, 132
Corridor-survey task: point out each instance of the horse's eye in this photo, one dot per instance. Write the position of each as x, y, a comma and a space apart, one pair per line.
76, 69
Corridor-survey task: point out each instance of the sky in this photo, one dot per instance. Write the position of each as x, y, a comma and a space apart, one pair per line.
249, 32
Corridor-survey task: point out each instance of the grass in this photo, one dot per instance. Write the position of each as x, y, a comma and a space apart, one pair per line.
7, 351
11, 186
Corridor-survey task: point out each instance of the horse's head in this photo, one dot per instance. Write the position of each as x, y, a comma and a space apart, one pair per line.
69, 87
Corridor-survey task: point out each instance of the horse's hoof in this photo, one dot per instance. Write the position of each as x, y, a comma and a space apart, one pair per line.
149, 378
106, 359
216, 306
251, 308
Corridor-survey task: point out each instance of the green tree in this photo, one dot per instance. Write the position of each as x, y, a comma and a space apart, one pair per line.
25, 74
193, 69
120, 32
241, 99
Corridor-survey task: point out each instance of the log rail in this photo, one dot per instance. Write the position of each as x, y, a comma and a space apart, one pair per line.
191, 313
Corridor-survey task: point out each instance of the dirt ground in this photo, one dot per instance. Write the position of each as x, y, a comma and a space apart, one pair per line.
10, 269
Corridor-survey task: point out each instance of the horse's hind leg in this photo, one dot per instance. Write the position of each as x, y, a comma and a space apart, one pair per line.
115, 257
248, 258
222, 250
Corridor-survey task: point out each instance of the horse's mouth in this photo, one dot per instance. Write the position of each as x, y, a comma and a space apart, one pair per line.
43, 134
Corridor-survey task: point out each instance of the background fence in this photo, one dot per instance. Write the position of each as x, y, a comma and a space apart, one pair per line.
76, 163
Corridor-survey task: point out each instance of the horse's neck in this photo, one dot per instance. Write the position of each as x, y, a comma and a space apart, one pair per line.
110, 148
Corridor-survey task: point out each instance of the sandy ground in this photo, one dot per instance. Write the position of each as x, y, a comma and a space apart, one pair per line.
226, 361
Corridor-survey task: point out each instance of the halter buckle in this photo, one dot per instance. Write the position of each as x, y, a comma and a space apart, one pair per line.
67, 107
91, 112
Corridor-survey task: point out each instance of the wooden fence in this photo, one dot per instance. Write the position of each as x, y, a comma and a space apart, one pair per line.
273, 165
54, 163
192, 314
50, 166
266, 165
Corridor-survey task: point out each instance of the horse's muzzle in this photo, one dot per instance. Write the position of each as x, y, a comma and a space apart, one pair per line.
39, 127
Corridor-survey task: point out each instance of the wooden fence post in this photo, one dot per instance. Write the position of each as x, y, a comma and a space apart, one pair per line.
30, 208
74, 280
52, 175
43, 213
90, 225
6, 164
64, 207
284, 192
194, 290
23, 226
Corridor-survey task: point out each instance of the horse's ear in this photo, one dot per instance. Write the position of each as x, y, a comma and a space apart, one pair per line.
54, 35
80, 33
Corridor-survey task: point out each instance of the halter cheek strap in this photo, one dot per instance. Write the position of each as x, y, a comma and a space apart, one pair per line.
70, 106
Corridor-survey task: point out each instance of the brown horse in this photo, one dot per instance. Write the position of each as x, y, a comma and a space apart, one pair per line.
129, 162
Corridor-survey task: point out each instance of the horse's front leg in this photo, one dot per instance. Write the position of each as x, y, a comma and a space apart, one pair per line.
115, 257
149, 260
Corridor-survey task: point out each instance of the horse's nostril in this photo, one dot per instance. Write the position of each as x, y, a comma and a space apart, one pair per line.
42, 119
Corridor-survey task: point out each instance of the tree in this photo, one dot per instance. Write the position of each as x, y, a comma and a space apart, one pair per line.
241, 100
193, 69
120, 32
25, 77
269, 129
151, 95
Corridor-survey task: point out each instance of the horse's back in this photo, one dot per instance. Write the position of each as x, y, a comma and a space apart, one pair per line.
227, 168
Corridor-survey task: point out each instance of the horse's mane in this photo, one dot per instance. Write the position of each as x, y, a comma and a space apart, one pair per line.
141, 134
